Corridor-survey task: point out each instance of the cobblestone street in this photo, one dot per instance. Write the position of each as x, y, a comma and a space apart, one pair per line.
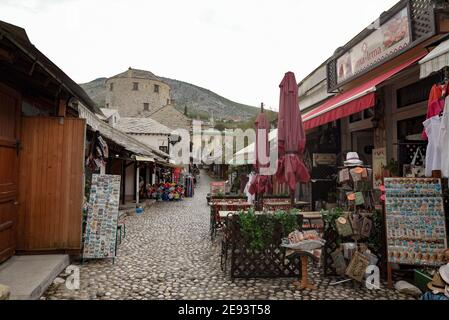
168, 254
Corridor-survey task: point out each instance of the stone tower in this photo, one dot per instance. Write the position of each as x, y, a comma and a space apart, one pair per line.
136, 93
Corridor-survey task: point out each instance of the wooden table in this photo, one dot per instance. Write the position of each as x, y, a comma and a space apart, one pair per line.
216, 207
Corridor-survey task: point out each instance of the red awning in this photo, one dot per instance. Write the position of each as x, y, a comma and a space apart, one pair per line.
352, 101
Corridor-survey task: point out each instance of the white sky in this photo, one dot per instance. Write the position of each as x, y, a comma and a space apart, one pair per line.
237, 48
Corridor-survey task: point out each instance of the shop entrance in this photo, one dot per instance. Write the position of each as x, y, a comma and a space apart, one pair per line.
363, 144
9, 163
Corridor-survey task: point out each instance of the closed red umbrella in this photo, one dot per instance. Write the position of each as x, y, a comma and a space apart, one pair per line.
291, 136
261, 184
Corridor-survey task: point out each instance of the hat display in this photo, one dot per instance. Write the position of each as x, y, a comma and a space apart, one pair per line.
437, 285
353, 160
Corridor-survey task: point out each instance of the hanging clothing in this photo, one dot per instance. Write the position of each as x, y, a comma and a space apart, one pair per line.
443, 145
433, 155
251, 197
435, 103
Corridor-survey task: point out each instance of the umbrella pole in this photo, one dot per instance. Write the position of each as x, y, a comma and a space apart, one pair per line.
292, 199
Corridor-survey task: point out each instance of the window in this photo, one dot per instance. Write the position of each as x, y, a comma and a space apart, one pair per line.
156, 88
168, 101
356, 117
411, 129
416, 92
146, 107
135, 86
163, 149
111, 87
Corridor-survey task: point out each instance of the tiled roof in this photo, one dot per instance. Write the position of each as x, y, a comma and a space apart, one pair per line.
171, 118
108, 112
137, 74
142, 126
118, 136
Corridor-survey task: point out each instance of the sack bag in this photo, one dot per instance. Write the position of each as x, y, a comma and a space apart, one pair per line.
344, 228
412, 170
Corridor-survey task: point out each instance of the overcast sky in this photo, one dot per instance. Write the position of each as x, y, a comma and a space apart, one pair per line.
237, 48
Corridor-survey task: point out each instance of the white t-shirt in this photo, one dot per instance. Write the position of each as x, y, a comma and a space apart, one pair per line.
443, 143
433, 155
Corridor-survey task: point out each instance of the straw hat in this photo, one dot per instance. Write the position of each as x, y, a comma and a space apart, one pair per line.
353, 160
437, 285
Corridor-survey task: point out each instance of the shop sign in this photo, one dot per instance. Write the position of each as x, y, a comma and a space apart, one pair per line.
379, 162
387, 40
217, 188
324, 159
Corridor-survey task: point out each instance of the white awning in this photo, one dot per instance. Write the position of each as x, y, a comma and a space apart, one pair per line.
144, 159
436, 60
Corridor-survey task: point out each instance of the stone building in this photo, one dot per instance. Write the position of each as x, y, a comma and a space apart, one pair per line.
141, 94
136, 93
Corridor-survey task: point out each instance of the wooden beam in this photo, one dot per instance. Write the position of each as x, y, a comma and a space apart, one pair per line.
123, 182
6, 56
62, 110
135, 181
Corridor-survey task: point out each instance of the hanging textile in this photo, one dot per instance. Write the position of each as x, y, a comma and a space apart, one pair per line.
435, 103
443, 142
98, 152
189, 187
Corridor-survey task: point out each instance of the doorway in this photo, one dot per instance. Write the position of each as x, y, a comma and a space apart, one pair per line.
10, 107
363, 144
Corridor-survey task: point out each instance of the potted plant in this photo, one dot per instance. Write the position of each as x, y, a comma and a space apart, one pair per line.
391, 169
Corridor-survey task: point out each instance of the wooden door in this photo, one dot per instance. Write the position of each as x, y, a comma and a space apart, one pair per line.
51, 188
10, 105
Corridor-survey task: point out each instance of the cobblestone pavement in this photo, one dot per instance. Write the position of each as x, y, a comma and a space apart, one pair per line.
168, 254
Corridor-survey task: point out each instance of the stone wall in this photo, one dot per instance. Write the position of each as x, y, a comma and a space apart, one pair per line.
129, 102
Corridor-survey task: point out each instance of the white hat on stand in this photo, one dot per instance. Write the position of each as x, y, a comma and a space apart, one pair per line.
353, 160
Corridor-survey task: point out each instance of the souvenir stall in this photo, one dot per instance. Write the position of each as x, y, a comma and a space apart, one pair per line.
351, 234
165, 192
416, 201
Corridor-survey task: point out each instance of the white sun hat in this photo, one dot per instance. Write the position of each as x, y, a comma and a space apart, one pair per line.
353, 160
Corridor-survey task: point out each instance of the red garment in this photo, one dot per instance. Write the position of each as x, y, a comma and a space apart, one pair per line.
261, 184
291, 136
435, 103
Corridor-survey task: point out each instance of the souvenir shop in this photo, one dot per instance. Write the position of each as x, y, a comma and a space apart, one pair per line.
390, 117
166, 182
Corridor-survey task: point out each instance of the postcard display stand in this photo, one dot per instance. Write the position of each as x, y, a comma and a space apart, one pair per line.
415, 223
102, 218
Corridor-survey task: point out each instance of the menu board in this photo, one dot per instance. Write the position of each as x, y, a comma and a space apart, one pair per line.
102, 217
218, 188
416, 227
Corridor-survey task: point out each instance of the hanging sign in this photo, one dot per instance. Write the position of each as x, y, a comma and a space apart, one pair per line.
415, 219
379, 162
387, 40
102, 217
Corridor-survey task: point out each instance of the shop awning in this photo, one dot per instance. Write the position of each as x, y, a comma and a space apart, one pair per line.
436, 60
352, 101
144, 159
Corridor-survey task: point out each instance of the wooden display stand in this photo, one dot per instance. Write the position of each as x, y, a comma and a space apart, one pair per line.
304, 283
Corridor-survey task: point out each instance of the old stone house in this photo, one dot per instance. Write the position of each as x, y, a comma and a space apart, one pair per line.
141, 94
